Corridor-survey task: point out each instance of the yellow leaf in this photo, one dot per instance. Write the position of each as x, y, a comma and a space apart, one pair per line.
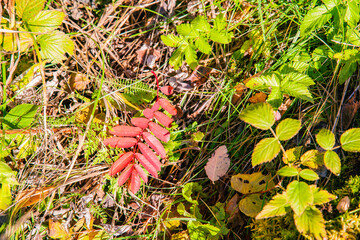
57, 230
184, 235
250, 183
31, 196
251, 205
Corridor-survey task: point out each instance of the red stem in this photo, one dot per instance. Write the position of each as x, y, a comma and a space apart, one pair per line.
157, 84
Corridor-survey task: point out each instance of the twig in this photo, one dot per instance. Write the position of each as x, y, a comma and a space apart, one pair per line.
341, 103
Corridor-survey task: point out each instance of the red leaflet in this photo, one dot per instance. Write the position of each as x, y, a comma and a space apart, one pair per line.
140, 122
126, 131
124, 176
160, 132
148, 113
155, 144
135, 182
120, 142
141, 173
147, 165
156, 106
167, 106
121, 163
167, 90
163, 118
150, 155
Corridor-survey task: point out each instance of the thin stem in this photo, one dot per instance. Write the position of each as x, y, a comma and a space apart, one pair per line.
281, 146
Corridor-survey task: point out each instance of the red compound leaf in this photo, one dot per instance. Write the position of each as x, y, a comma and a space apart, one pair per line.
167, 90
120, 142
148, 113
140, 122
160, 132
126, 131
150, 155
135, 182
121, 163
155, 144
124, 176
163, 118
167, 106
156, 106
147, 165
141, 173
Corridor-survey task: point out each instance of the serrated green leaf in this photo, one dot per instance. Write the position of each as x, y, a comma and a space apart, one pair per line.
263, 82
20, 116
332, 162
288, 171
251, 205
202, 44
190, 56
299, 196
309, 175
330, 4
315, 19
220, 22
347, 70
275, 98
287, 129
350, 140
291, 155
265, 151
7, 175
321, 196
27, 9
171, 40
54, 45
276, 207
311, 222
201, 24
297, 90
294, 67
189, 189
220, 37
299, 78
45, 21
259, 115
352, 16
326, 139
312, 158
186, 30
177, 57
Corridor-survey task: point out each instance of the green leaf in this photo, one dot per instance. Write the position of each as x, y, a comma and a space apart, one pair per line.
263, 82
309, 175
171, 40
326, 139
265, 151
299, 196
251, 205
189, 189
276, 207
186, 30
315, 19
330, 4
287, 129
177, 57
352, 16
311, 222
190, 56
288, 171
332, 162
20, 116
27, 9
220, 22
202, 44
350, 140
10, 42
347, 70
220, 37
291, 155
201, 24
54, 45
275, 98
259, 115
321, 196
7, 175
312, 158
45, 21
5, 196
297, 90
294, 67
299, 78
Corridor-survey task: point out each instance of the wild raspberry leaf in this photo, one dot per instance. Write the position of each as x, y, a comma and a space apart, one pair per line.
251, 205
167, 106
163, 118
140, 122
141, 173
350, 140
121, 163
156, 106
160, 132
218, 164
326, 139
155, 144
311, 222
299, 196
276, 207
167, 90
126, 131
259, 115
150, 155
120, 142
147, 165
135, 182
148, 113
124, 176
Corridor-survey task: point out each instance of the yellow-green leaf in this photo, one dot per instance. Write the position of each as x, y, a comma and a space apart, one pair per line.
350, 140
311, 222
326, 139
287, 129
54, 45
259, 115
45, 21
288, 171
265, 151
26, 9
332, 162
5, 196
312, 158
321, 196
251, 205
251, 183
276, 207
291, 155
309, 175
299, 196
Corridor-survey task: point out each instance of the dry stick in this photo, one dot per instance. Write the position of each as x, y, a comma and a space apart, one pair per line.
341, 104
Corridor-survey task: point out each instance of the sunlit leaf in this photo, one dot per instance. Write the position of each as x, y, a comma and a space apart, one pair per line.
20, 116
299, 196
326, 139
287, 129
276, 207
259, 115
288, 171
291, 155
332, 162
350, 140
251, 183
311, 222
45, 21
54, 45
312, 158
321, 196
309, 175
315, 19
26, 9
265, 151
251, 205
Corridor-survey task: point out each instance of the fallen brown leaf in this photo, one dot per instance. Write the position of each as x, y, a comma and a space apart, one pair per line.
199, 76
258, 97
31, 196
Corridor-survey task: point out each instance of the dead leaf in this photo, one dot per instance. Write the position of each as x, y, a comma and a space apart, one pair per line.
232, 207
31, 196
251, 183
199, 76
349, 109
78, 81
251, 205
183, 235
148, 56
218, 164
343, 205
258, 97
57, 230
